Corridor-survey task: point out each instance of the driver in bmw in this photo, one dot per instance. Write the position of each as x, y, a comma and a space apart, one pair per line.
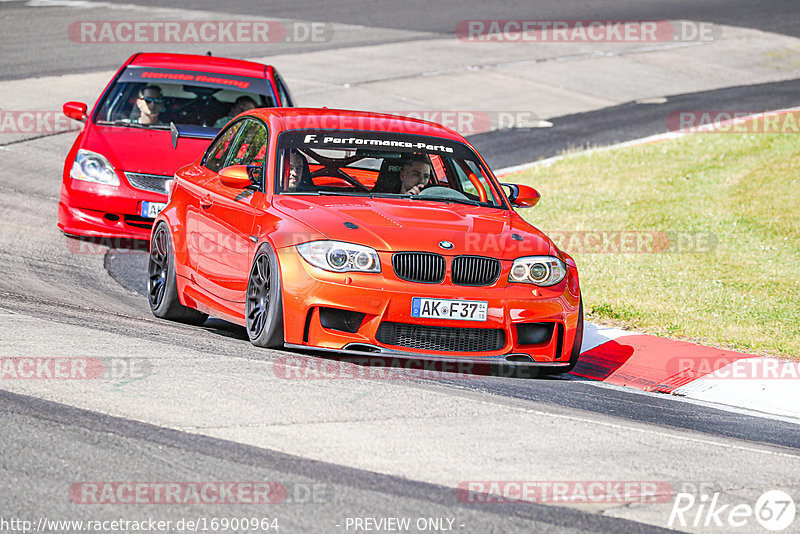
414, 175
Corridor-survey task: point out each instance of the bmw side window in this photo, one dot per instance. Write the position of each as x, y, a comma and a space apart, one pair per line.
250, 146
218, 153
465, 172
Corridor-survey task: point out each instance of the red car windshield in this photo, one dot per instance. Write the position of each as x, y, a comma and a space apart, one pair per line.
382, 164
153, 98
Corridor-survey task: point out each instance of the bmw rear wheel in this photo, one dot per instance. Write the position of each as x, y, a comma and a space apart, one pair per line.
263, 308
162, 288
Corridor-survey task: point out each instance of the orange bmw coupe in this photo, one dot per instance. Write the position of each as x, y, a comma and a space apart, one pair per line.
363, 234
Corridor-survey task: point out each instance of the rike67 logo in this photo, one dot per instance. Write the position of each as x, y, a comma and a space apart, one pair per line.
774, 510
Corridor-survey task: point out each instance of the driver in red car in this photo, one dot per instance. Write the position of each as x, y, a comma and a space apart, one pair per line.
150, 103
414, 175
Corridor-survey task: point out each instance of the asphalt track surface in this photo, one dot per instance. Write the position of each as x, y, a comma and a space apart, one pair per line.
665, 411
616, 124
44, 30
55, 436
48, 445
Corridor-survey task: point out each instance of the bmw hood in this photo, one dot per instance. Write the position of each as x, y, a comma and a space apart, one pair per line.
396, 225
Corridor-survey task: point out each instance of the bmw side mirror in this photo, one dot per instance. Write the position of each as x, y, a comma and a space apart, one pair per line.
235, 176
241, 176
522, 196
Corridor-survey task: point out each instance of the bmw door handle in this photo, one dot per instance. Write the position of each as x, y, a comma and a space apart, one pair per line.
206, 202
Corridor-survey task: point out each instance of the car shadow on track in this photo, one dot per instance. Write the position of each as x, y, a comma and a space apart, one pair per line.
126, 263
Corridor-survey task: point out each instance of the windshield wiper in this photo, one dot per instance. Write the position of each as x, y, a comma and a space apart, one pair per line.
466, 201
330, 193
134, 125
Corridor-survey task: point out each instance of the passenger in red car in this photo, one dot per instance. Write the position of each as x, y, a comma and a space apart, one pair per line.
297, 166
150, 103
242, 104
299, 178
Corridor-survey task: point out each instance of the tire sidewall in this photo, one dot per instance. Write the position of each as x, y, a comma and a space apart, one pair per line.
272, 333
170, 284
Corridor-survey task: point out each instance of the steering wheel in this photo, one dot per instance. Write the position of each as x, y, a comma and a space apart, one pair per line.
440, 191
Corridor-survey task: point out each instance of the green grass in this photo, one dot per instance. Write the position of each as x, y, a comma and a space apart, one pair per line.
737, 287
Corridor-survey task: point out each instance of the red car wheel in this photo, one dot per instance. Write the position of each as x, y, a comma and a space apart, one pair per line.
162, 289
263, 309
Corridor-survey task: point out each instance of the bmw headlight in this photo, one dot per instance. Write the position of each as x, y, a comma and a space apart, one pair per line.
340, 257
539, 270
93, 167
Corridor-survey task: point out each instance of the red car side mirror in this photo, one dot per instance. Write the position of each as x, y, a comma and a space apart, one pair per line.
522, 196
75, 110
240, 176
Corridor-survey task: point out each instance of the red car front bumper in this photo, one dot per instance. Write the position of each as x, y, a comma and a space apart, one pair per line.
322, 310
98, 210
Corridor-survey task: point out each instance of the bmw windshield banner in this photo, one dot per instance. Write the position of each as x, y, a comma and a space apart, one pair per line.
379, 141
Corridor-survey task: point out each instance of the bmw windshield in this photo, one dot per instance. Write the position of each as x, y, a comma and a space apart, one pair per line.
381, 164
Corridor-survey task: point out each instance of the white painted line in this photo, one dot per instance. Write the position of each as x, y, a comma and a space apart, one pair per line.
596, 335
741, 410
774, 388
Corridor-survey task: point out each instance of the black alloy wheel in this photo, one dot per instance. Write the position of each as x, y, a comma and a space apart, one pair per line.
162, 288
263, 308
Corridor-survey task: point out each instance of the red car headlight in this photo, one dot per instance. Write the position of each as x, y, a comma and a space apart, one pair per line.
93, 167
340, 257
539, 270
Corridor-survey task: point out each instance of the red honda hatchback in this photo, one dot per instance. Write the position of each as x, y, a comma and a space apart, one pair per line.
120, 168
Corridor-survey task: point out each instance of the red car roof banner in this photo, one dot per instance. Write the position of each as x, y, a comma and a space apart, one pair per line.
207, 79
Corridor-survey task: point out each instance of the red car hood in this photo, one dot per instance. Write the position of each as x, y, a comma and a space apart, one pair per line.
404, 225
142, 150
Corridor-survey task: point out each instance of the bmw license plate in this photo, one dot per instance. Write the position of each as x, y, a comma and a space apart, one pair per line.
463, 310
152, 209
